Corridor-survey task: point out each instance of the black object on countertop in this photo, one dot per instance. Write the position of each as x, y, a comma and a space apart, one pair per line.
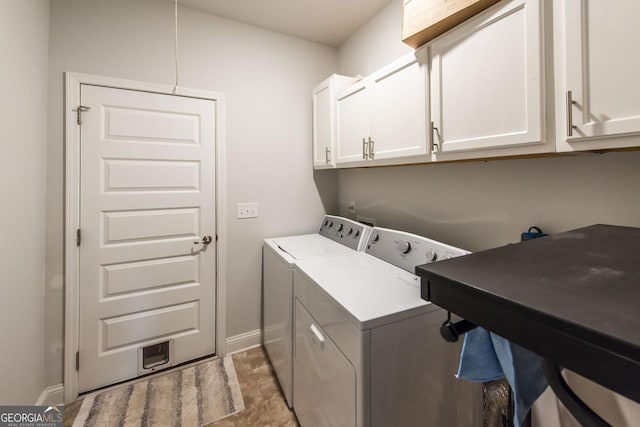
533, 233
573, 298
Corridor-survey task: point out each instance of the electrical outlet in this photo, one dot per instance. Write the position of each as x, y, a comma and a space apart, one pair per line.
351, 209
366, 220
247, 210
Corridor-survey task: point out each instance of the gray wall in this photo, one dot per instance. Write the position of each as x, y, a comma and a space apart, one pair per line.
267, 79
480, 205
24, 40
483, 204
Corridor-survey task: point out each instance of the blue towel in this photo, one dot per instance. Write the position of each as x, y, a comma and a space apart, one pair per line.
486, 357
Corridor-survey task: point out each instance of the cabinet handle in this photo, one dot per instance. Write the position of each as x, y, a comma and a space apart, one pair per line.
371, 147
570, 104
316, 332
365, 148
326, 155
435, 142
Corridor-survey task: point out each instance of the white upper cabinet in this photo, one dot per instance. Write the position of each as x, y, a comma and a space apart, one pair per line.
382, 119
598, 74
487, 85
324, 120
354, 124
399, 109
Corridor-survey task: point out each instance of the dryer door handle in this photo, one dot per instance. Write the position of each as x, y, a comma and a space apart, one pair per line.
319, 337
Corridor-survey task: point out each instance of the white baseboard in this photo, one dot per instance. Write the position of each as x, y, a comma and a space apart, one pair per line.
243, 342
51, 396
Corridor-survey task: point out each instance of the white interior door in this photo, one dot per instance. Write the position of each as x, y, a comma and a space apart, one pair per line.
147, 193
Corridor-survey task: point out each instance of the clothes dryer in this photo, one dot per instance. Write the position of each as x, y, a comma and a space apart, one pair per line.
336, 237
367, 348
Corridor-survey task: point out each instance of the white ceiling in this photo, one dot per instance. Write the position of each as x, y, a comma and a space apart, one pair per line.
324, 21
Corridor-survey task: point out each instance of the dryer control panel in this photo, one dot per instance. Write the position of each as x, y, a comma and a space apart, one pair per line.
345, 231
406, 250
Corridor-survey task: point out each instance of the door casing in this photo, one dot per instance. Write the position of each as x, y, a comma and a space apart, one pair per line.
72, 209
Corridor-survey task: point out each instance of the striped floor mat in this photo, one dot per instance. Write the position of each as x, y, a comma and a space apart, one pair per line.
193, 396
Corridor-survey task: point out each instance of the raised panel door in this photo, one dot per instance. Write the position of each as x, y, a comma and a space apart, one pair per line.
147, 196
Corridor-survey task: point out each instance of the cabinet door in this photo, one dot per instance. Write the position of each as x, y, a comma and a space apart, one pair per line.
322, 125
487, 82
354, 124
324, 119
399, 95
602, 73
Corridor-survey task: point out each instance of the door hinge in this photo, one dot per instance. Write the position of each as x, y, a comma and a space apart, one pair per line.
78, 237
81, 109
77, 360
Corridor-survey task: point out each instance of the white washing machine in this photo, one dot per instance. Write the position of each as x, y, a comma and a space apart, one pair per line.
336, 237
368, 351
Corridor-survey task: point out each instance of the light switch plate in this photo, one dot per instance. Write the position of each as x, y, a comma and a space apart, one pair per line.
247, 210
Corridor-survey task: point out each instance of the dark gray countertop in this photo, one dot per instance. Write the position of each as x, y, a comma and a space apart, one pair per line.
573, 298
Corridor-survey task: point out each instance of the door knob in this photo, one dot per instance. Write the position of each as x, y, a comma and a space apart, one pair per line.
205, 240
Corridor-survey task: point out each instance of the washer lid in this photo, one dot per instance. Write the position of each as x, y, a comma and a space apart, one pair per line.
309, 245
370, 291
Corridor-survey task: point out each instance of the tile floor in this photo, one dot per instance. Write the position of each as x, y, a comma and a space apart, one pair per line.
263, 400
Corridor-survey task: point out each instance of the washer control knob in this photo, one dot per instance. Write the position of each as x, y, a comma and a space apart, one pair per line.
326, 222
340, 227
375, 238
404, 247
350, 232
357, 233
431, 255
331, 224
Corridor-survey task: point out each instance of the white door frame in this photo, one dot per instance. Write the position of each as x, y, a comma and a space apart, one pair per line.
72, 208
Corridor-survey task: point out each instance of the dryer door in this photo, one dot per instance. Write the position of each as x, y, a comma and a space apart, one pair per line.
324, 381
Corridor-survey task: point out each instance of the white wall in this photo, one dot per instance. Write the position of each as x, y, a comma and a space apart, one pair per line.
374, 45
267, 79
24, 40
484, 204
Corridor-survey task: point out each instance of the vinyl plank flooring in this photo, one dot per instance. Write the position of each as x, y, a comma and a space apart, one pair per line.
264, 402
